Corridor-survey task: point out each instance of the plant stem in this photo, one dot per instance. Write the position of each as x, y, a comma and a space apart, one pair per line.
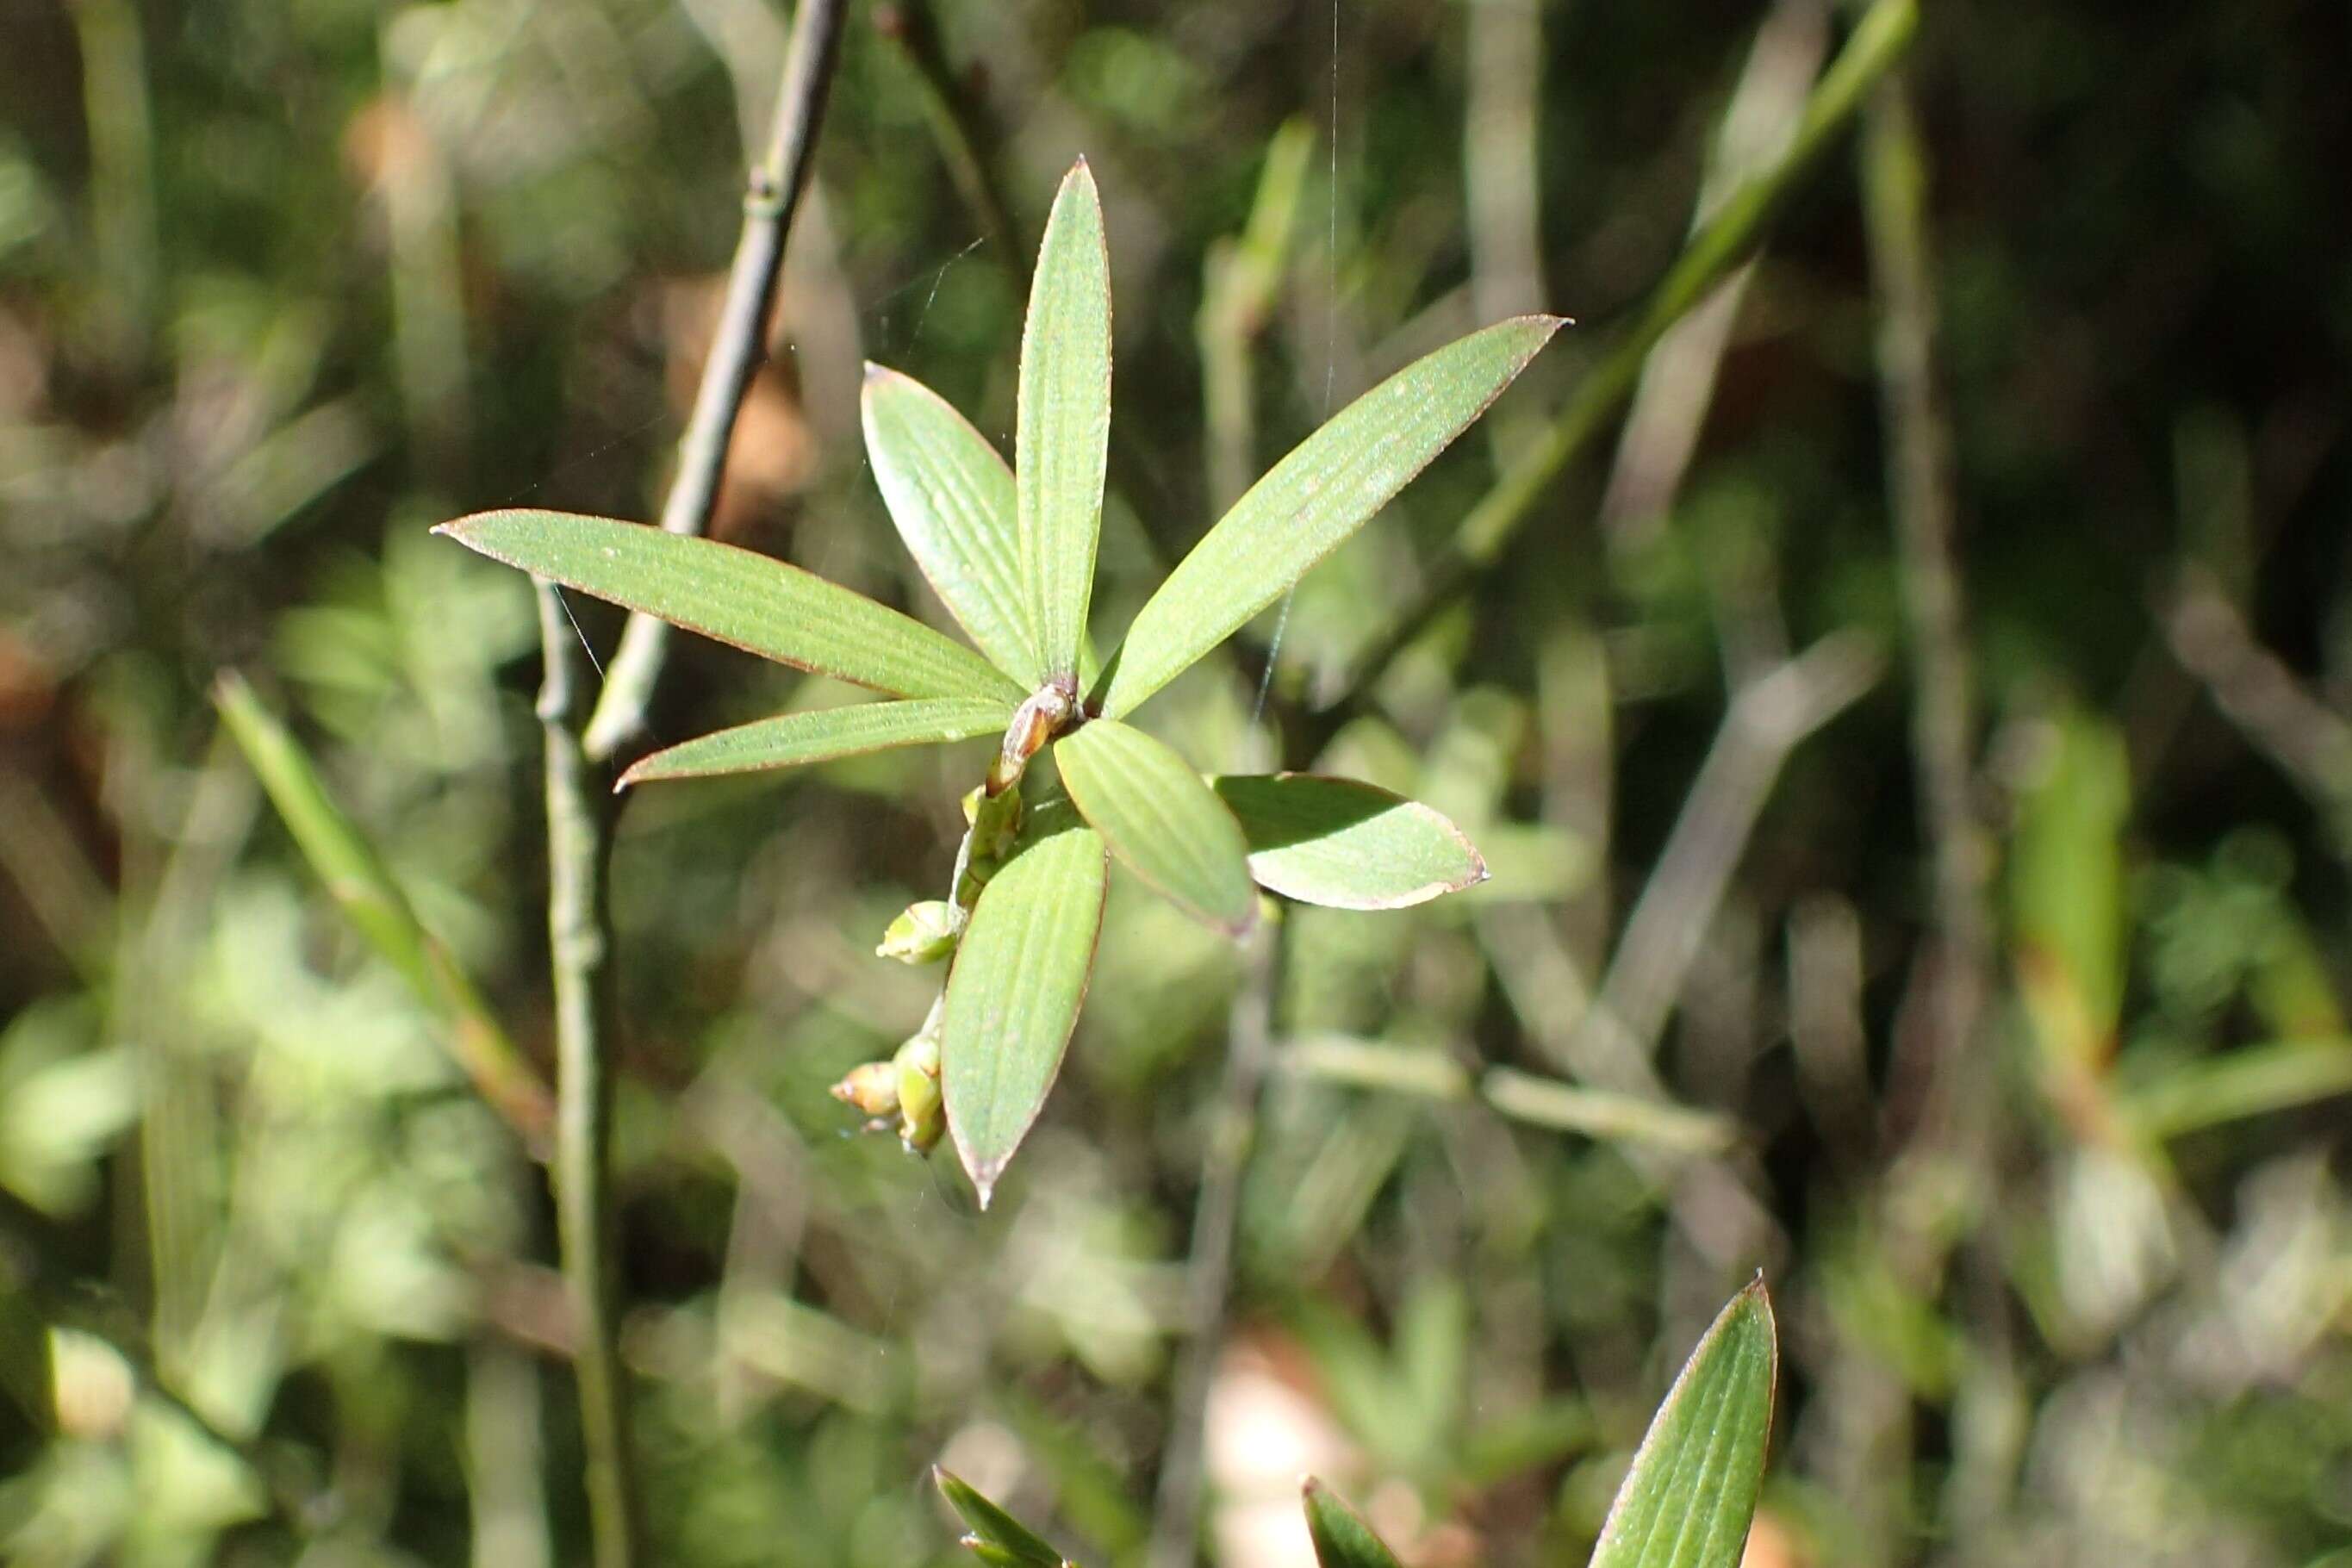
1669, 405
1209, 1272
579, 843
1878, 41
1768, 717
957, 122
737, 348
1921, 496
580, 809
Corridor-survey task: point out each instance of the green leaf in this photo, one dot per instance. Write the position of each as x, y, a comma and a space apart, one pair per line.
755, 601
1313, 499
1062, 434
789, 740
1162, 822
1342, 1539
1020, 976
1347, 845
1688, 1498
996, 1536
952, 497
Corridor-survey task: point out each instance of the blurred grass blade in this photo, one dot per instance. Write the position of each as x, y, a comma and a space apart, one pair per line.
1342, 1539
1161, 821
1062, 436
358, 882
1312, 501
1347, 845
755, 601
1014, 995
789, 740
1687, 1501
2250, 1081
2067, 891
1602, 1113
996, 1536
952, 497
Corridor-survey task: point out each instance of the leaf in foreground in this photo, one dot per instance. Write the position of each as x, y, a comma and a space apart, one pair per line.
1310, 502
1020, 976
1062, 433
755, 601
1347, 845
1161, 821
952, 497
1342, 1539
1011, 1541
792, 740
1687, 1501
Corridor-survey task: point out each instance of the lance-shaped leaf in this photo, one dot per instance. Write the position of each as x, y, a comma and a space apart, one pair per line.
791, 740
995, 1535
1342, 1539
1345, 844
951, 496
1313, 499
1014, 995
1062, 433
1687, 1501
1161, 821
755, 601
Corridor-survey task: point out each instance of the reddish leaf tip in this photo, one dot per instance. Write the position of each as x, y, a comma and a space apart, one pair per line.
874, 373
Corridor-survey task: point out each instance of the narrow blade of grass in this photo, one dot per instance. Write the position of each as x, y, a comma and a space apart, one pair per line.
364, 889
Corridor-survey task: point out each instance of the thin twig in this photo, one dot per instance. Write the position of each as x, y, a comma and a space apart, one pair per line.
1662, 425
1922, 496
1209, 1270
737, 348
958, 121
1878, 41
2310, 742
580, 810
1767, 720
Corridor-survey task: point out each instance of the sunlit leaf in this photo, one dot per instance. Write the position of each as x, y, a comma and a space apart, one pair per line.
755, 601
791, 740
996, 1536
1342, 1539
1161, 821
1346, 844
1063, 432
1309, 502
1014, 995
1687, 1501
951, 496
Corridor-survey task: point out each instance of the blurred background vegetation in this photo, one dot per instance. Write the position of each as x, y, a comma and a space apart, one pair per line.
1914, 744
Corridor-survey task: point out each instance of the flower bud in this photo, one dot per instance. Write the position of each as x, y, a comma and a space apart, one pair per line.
922, 1112
871, 1087
923, 933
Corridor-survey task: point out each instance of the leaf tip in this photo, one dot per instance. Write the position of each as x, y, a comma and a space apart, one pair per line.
874, 373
